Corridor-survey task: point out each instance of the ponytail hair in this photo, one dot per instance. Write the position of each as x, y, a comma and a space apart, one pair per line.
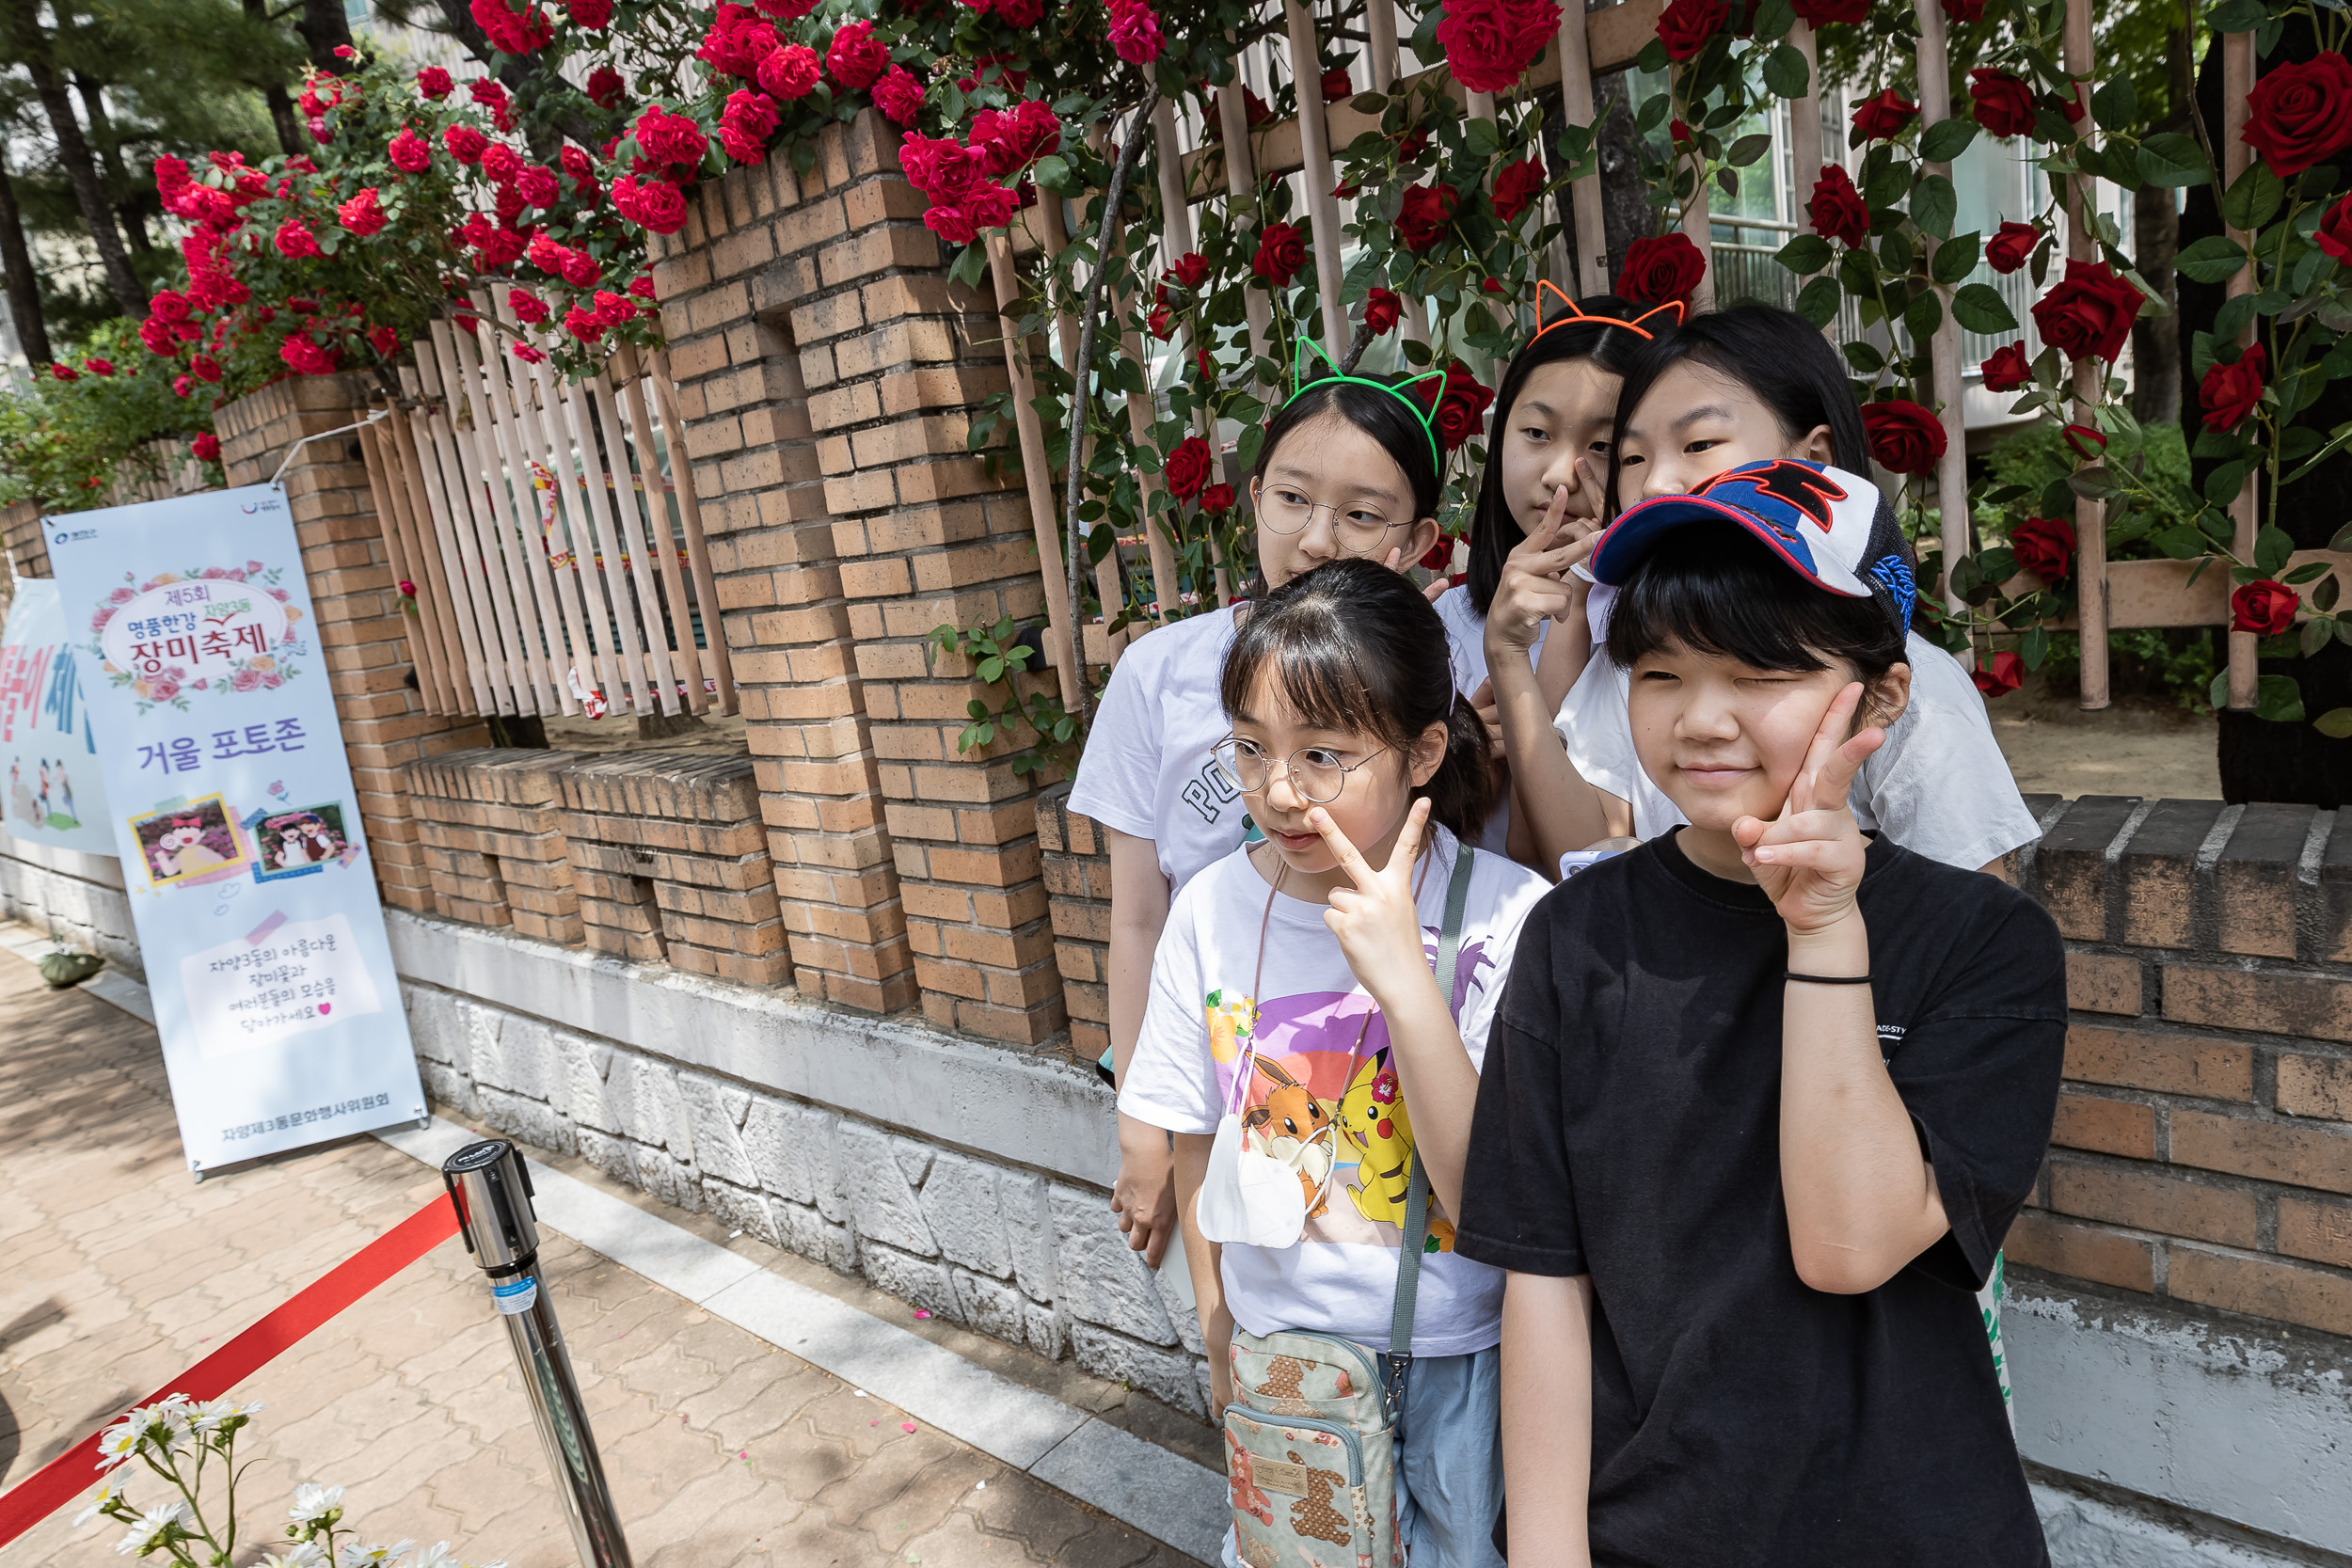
1353, 646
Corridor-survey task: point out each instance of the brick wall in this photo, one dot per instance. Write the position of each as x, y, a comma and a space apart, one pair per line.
1078, 881
363, 635
21, 536
826, 369
491, 825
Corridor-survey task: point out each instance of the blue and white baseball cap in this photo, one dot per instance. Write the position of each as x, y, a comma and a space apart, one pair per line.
1831, 526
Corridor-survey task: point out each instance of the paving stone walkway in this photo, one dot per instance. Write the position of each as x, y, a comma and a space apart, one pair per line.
117, 1272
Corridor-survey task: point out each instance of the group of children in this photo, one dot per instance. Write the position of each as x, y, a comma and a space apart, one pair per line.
1655, 1201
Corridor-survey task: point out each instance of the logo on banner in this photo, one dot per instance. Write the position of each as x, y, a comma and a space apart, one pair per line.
212, 629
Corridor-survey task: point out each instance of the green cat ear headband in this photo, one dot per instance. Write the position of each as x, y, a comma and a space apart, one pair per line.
1424, 417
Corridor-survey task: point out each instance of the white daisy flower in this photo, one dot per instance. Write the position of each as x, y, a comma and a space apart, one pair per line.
302, 1554
312, 1502
119, 1442
356, 1556
150, 1527
108, 1490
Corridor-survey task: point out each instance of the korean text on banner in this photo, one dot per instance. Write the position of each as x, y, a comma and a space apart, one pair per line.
48, 750
237, 823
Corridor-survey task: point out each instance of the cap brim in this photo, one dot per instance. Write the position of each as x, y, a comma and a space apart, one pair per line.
1639, 529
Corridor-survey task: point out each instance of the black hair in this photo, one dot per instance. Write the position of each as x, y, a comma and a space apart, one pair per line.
1777, 354
1722, 591
1378, 414
1352, 645
1495, 534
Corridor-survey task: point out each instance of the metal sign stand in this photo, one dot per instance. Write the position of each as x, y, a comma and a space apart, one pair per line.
492, 1190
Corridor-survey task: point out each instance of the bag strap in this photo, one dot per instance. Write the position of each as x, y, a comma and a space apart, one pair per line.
1417, 1193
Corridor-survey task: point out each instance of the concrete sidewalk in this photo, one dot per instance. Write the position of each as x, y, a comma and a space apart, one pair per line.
117, 1272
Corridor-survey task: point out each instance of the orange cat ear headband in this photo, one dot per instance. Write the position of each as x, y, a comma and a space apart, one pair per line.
1675, 309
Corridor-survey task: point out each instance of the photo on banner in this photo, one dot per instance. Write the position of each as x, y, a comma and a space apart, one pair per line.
48, 749
234, 812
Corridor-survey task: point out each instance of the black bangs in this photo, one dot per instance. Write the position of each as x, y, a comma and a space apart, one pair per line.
1378, 414
1716, 589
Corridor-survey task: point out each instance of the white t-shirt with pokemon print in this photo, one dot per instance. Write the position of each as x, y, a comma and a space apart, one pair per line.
1341, 1278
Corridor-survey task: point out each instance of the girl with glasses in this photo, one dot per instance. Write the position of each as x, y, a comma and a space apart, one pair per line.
1293, 990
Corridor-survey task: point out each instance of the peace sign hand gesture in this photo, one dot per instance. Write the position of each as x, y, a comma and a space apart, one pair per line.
1809, 859
1376, 921
1536, 584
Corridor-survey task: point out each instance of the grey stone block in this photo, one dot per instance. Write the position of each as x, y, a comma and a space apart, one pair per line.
1186, 1320
433, 1026
643, 1096
583, 1060
533, 1121
882, 1205
747, 1211
1028, 1222
991, 1306
448, 1086
808, 1233
1102, 1281
1167, 1376
1043, 1326
919, 1280
610, 1155
962, 1204
715, 1111
515, 1053
794, 1151
664, 1175
914, 1159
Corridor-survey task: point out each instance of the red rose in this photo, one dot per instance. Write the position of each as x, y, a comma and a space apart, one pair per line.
2044, 547
1281, 252
605, 88
99, 366
2335, 231
1884, 116
1964, 11
295, 240
1190, 271
2090, 313
383, 341
361, 215
2011, 246
206, 368
2004, 105
1019, 14
2003, 677
1905, 438
182, 386
465, 144
2087, 443
1515, 187
1685, 26
2300, 113
1490, 44
1188, 467
665, 138
511, 33
410, 152
1336, 86
1677, 131
1658, 270
1837, 210
305, 357
1135, 32
856, 60
2230, 392
1015, 139
985, 206
738, 42
1428, 209
1162, 322
433, 82
654, 204
790, 71
1461, 405
536, 185
2265, 607
1217, 499
1821, 12
898, 95
1381, 309
206, 448
591, 14
2005, 370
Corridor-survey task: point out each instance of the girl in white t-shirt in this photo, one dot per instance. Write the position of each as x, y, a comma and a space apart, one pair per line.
1294, 980
1734, 387
1349, 469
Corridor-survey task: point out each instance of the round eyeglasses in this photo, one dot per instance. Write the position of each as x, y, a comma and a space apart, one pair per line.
1316, 773
1358, 529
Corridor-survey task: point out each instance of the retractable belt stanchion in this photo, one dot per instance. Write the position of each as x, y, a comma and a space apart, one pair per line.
492, 1192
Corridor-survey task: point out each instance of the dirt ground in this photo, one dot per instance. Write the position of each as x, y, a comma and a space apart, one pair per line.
2136, 746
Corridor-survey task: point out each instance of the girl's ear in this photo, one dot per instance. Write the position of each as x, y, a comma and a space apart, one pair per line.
1817, 446
1418, 543
1427, 754
1885, 700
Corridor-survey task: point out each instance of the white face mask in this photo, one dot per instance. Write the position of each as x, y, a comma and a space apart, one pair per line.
1249, 1197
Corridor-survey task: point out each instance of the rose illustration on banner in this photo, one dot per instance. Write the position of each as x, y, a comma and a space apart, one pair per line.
211, 629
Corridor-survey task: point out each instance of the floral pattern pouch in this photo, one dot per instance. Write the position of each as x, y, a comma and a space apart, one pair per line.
1310, 1455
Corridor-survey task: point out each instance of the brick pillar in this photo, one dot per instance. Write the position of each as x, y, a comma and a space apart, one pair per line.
20, 535
362, 633
728, 283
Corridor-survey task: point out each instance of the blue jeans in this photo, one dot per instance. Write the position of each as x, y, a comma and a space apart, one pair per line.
1448, 1461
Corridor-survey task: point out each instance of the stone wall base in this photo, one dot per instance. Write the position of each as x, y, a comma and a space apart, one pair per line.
78, 897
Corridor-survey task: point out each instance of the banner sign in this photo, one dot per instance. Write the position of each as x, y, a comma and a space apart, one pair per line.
237, 824
48, 753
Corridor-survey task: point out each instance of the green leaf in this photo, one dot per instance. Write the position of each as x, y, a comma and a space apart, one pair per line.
2225, 482
1773, 21
1805, 255
2237, 16
2217, 690
1747, 149
2310, 571
1946, 139
1887, 183
2343, 541
1955, 259
2336, 723
1786, 74
1482, 138
2272, 548
2170, 158
2180, 543
2329, 590
1895, 252
1816, 302
2034, 647
1933, 206
2252, 197
1980, 307
2094, 482
2235, 315
2279, 699
972, 265
1052, 172
2213, 259
1865, 358
1922, 316
2116, 105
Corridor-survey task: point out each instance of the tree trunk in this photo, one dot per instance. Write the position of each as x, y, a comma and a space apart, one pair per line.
274, 93
73, 155
324, 28
124, 191
2156, 341
32, 333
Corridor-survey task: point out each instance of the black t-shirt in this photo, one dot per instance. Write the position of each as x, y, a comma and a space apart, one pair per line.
1627, 1128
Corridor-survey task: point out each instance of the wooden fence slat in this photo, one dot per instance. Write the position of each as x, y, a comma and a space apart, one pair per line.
396, 556
1952, 471
2237, 89
1177, 241
509, 400
1323, 209
718, 660
2090, 516
641, 566
1586, 212
1035, 473
605, 564
1110, 584
684, 657
416, 437
1233, 119
519, 511
491, 469
595, 652
434, 604
458, 482
1380, 26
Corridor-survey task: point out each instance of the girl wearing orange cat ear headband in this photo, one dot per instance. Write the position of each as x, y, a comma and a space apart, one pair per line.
1549, 440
